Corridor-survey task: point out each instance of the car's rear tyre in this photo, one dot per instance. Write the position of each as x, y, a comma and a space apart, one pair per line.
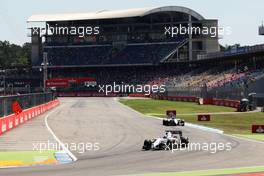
184, 142
165, 123
147, 145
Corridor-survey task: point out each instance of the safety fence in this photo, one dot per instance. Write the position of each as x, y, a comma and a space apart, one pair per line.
24, 101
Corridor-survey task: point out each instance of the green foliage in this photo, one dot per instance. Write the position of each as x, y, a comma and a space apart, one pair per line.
14, 55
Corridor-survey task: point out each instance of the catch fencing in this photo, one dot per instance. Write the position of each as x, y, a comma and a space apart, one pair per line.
230, 93
25, 101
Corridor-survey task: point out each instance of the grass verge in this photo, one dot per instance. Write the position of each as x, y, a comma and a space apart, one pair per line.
230, 123
211, 172
22, 158
150, 106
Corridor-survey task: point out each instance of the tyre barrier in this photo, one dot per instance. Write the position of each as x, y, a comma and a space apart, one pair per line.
175, 98
12, 121
204, 128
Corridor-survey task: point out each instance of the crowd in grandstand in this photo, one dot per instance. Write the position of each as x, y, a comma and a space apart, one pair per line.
179, 77
174, 76
212, 78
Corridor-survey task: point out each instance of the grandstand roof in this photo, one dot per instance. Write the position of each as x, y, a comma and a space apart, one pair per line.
105, 14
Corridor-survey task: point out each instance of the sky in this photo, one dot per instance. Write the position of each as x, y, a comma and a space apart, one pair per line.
243, 16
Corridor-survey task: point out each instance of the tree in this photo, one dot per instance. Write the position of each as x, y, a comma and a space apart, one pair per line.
12, 54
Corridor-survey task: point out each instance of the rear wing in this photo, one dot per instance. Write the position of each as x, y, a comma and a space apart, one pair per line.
171, 113
174, 132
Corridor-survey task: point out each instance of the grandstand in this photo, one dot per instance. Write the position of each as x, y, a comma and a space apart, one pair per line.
134, 47
124, 37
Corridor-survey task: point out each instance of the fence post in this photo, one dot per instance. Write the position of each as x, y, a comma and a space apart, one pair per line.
5, 105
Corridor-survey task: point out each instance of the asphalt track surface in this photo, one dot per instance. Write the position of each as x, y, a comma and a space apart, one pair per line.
120, 133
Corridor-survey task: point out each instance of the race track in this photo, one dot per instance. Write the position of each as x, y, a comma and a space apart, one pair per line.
120, 133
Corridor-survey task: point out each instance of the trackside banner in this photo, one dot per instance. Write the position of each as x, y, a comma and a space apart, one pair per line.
204, 117
258, 129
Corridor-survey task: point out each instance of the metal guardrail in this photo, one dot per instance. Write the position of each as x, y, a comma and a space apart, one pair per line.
25, 101
231, 93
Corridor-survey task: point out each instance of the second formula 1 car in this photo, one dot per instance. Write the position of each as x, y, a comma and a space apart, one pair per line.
171, 119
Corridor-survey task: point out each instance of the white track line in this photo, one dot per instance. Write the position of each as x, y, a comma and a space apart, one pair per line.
65, 149
244, 138
55, 137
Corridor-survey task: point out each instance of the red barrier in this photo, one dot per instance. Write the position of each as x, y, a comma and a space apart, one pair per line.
11, 121
228, 103
17, 120
3, 125
175, 98
138, 95
0, 126
217, 102
208, 101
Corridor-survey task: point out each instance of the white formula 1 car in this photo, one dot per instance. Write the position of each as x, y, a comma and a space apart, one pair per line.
173, 122
171, 140
171, 119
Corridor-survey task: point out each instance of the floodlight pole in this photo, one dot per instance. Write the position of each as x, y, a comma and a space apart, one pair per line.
45, 70
190, 39
261, 29
4, 82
